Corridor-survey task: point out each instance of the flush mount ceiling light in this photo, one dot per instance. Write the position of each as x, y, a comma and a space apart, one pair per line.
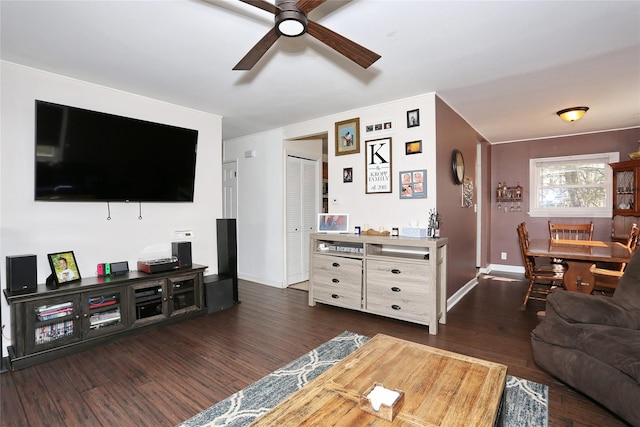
291, 22
572, 114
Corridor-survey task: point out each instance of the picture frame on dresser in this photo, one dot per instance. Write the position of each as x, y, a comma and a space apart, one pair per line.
64, 267
333, 223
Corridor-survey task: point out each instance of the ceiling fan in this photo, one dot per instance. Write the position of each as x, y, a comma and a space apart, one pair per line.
291, 21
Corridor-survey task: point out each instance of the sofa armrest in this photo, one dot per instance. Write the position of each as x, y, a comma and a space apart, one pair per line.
575, 307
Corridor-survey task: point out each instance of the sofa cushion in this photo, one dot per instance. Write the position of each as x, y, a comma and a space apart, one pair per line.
627, 293
616, 347
606, 385
575, 307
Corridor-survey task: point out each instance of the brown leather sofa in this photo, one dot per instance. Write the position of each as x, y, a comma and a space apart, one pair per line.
592, 343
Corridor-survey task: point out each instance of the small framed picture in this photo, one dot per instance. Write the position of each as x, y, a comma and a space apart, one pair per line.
348, 137
347, 175
413, 184
64, 267
413, 147
413, 118
333, 223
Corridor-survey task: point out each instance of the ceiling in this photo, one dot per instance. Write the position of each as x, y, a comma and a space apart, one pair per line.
505, 66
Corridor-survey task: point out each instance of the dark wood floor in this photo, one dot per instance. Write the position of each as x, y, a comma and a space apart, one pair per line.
164, 376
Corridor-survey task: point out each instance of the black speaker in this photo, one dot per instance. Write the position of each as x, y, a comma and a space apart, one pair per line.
22, 273
228, 252
182, 250
218, 291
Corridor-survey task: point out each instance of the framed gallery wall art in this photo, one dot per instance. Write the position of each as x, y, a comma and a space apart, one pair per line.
413, 184
380, 127
378, 166
413, 147
413, 118
348, 137
347, 175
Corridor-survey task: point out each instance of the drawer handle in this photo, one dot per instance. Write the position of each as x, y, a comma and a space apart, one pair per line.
396, 289
335, 280
396, 271
396, 307
335, 264
335, 296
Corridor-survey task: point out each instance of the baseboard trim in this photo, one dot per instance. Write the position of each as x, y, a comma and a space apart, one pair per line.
505, 268
460, 293
261, 281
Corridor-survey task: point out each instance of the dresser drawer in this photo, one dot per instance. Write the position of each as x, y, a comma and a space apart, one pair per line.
337, 280
334, 270
348, 297
399, 290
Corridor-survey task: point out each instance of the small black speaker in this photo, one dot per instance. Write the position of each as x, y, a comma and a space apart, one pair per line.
182, 250
22, 273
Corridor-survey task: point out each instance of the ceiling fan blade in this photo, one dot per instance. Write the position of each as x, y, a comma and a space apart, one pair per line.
307, 6
264, 5
352, 50
257, 51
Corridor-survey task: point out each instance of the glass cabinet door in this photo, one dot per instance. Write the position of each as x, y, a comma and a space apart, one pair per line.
184, 295
149, 302
625, 189
53, 323
103, 313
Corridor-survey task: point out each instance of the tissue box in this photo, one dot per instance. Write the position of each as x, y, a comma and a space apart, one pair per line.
413, 232
386, 411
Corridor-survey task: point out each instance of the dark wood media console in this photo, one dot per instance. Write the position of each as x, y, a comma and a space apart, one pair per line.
51, 323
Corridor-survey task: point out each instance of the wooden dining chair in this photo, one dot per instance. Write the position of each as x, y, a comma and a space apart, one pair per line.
609, 278
543, 278
571, 231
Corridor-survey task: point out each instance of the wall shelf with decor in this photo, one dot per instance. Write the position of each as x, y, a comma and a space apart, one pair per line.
509, 199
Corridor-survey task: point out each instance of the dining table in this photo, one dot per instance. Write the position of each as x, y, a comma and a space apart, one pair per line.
579, 256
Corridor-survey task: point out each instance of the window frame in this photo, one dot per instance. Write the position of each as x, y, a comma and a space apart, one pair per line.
534, 185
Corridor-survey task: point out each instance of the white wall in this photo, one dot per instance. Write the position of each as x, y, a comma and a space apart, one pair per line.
260, 184
29, 227
260, 225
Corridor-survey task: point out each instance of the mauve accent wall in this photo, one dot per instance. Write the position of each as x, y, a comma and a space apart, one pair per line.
458, 223
510, 163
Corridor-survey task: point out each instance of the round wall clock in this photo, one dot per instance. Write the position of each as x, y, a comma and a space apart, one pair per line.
457, 162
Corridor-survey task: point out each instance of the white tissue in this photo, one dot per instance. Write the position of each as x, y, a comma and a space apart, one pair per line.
380, 395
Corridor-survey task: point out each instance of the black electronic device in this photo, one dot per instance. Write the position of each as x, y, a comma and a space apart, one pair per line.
121, 267
84, 155
182, 250
22, 274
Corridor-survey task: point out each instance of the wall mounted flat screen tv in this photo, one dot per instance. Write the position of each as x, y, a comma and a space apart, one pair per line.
84, 155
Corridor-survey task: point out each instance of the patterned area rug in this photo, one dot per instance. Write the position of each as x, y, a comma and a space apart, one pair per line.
526, 402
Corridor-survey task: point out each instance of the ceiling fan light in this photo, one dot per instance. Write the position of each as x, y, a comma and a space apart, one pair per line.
291, 23
572, 114
291, 28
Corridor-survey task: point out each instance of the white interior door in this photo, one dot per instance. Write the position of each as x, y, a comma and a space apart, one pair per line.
230, 189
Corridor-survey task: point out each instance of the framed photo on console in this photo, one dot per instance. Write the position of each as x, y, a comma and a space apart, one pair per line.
64, 267
333, 223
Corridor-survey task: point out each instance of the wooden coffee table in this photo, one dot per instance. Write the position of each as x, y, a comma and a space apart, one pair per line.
440, 388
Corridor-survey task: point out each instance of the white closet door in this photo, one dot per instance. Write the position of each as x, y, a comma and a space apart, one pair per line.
310, 209
302, 210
